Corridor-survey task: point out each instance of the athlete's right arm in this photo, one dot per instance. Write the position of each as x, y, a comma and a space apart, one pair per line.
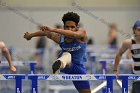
125, 45
51, 35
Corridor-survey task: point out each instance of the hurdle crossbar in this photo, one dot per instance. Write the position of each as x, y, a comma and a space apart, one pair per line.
35, 77
11, 76
22, 63
17, 63
122, 61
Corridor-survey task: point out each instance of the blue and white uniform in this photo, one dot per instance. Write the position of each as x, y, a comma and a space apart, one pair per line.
78, 57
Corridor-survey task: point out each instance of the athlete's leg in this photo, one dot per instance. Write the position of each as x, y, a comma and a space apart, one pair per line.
65, 59
62, 62
81, 86
85, 91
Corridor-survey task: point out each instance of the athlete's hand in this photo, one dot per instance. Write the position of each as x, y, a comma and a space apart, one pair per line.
12, 69
27, 36
116, 73
46, 28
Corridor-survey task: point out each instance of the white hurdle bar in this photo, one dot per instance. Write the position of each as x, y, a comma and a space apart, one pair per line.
35, 77
122, 61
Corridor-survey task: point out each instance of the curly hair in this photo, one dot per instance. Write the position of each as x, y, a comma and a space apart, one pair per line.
71, 16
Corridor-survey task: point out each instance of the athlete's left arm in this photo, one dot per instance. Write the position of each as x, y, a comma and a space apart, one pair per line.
79, 34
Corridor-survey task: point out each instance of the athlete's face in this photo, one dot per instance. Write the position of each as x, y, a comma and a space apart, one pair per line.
70, 25
137, 31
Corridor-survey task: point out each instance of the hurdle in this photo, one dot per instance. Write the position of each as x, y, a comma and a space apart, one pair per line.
51, 77
22, 63
18, 79
109, 80
103, 63
34, 78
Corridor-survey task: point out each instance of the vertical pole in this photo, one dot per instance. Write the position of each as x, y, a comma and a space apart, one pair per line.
109, 84
34, 87
18, 80
32, 68
124, 83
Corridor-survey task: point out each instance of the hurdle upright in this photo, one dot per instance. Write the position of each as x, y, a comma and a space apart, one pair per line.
18, 79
